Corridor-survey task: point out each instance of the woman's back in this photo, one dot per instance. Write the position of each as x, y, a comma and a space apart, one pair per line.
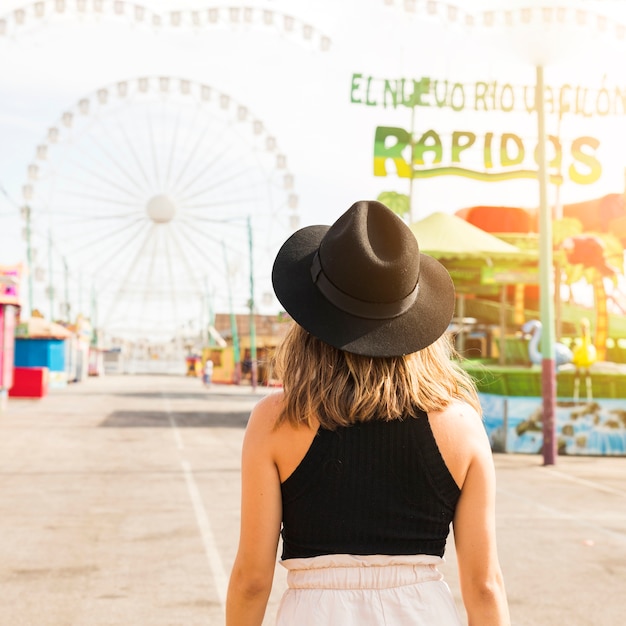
376, 487
301, 456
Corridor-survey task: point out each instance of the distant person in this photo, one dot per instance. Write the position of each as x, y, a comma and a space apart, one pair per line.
207, 373
372, 449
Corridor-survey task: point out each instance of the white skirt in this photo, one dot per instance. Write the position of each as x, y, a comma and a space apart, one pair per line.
377, 590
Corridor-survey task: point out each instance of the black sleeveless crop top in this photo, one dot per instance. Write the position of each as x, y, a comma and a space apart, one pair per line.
377, 487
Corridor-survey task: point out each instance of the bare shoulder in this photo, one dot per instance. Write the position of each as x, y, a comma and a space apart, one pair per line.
285, 444
264, 415
458, 419
268, 406
460, 435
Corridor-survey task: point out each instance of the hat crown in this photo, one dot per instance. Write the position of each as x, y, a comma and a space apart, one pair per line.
362, 285
370, 254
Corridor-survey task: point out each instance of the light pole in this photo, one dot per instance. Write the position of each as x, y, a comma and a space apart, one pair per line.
253, 357
29, 256
50, 284
233, 322
210, 313
94, 317
252, 318
66, 273
546, 285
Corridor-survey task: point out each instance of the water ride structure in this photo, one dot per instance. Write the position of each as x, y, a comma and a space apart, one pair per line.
498, 332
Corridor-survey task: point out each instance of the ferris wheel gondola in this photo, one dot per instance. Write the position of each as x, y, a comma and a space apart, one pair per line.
46, 12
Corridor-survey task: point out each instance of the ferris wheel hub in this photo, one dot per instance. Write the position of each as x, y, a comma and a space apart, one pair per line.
161, 209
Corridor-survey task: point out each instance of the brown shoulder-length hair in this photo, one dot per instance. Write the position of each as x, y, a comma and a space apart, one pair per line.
339, 388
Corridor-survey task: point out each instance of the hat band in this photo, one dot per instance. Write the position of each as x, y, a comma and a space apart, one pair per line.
354, 306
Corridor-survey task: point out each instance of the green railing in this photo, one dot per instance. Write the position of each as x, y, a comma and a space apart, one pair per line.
526, 381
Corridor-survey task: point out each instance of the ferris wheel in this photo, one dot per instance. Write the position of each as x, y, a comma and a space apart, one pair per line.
163, 196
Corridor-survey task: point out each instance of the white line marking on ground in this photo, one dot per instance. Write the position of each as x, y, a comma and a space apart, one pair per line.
216, 564
177, 438
587, 483
208, 538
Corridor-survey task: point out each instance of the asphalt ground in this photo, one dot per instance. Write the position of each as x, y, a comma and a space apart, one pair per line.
119, 502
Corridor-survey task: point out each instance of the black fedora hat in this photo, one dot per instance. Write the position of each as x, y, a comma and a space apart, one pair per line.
362, 285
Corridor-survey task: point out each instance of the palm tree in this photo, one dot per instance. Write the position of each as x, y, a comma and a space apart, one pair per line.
399, 203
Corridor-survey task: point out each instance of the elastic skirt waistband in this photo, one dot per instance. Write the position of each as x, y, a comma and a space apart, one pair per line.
346, 571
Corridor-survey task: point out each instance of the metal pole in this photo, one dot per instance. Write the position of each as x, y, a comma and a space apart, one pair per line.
50, 286
558, 215
253, 364
233, 323
546, 286
460, 301
29, 259
211, 315
67, 290
502, 344
94, 317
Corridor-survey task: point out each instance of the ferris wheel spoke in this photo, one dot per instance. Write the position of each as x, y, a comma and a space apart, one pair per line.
148, 280
191, 136
218, 237
234, 220
190, 233
81, 218
227, 188
190, 157
101, 199
108, 182
198, 232
172, 277
123, 145
216, 159
172, 153
153, 150
222, 166
115, 162
244, 202
246, 206
132, 269
83, 191
215, 243
199, 119
197, 143
182, 251
118, 251
135, 157
99, 236
217, 183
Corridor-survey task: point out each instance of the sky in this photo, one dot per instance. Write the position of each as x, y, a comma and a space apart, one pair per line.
302, 79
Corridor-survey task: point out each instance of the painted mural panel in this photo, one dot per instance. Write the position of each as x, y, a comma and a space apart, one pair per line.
586, 427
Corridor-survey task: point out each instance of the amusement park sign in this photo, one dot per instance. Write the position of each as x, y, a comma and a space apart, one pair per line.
503, 155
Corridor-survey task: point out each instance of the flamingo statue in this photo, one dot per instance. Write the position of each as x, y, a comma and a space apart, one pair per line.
585, 355
562, 353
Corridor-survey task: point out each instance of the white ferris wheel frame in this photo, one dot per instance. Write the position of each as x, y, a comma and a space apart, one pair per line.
143, 227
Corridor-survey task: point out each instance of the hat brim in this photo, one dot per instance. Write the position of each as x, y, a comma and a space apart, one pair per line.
421, 325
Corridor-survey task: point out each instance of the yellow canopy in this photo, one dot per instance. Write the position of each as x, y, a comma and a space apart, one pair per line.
445, 236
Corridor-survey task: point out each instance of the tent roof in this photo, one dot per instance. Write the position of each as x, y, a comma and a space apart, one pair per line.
39, 328
445, 236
